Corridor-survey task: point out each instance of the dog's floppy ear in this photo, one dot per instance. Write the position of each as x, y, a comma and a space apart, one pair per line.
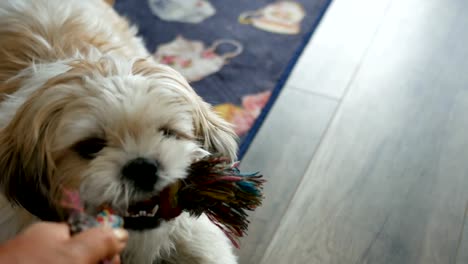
26, 162
215, 134
24, 179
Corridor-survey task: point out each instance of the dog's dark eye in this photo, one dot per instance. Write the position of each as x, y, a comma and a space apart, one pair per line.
168, 132
88, 148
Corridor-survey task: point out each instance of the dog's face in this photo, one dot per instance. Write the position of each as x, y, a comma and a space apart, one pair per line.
117, 132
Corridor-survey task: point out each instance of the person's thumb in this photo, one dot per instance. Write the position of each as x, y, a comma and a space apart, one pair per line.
98, 244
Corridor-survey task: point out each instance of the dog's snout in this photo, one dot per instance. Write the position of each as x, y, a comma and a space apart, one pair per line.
142, 172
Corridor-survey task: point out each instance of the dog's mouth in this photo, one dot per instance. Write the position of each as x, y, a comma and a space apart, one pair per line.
146, 208
144, 214
150, 213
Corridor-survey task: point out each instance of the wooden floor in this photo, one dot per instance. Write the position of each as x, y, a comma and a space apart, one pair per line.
366, 150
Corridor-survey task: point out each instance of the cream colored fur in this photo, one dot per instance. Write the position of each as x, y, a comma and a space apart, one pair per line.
74, 69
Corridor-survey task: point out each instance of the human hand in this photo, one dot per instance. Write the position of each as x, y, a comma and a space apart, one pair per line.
51, 243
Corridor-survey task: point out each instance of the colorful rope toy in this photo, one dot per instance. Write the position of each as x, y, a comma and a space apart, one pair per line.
214, 186
80, 221
217, 188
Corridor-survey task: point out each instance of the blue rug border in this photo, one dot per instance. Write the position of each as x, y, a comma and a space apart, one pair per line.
280, 84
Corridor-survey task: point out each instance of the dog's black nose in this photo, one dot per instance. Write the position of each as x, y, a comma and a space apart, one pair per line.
142, 172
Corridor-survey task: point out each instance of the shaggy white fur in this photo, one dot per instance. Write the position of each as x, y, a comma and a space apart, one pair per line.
81, 100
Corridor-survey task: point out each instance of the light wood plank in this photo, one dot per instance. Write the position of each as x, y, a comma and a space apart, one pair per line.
462, 256
282, 151
338, 46
389, 182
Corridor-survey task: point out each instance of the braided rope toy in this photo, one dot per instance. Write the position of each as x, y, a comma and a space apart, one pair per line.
222, 192
213, 186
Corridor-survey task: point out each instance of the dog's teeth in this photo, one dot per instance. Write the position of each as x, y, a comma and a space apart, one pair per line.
143, 213
155, 210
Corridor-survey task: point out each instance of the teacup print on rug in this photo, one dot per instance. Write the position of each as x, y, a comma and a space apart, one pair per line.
185, 11
243, 117
192, 59
282, 17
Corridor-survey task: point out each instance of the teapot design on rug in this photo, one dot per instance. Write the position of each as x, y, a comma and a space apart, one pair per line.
186, 11
283, 17
192, 59
243, 117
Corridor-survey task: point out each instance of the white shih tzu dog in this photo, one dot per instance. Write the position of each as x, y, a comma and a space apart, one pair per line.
83, 106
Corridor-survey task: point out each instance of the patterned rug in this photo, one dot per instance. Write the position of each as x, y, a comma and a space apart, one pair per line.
237, 54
